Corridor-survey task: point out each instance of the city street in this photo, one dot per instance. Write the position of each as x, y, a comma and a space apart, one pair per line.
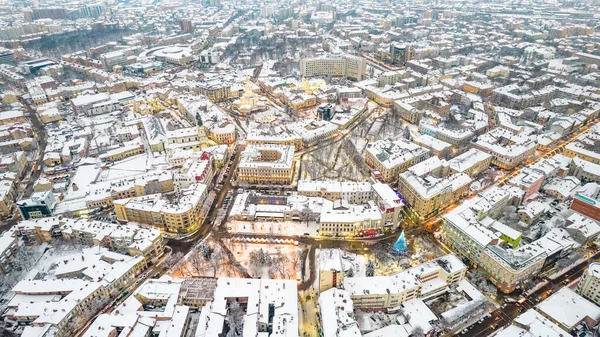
504, 316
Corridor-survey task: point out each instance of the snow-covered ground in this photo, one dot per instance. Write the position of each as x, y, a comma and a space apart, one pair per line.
285, 259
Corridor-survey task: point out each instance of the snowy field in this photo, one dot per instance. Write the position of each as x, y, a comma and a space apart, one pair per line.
339, 161
233, 258
276, 260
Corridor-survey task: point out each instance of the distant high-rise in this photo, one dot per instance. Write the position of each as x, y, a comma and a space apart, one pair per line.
44, 13
186, 25
91, 11
400, 53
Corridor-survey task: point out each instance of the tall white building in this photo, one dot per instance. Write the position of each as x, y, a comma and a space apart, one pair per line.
352, 67
589, 284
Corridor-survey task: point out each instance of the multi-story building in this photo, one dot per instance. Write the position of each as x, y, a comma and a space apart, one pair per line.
386, 292
584, 170
391, 157
266, 164
341, 218
428, 194
8, 247
427, 191
352, 67
389, 204
401, 53
8, 192
182, 215
437, 147
184, 139
354, 192
331, 269
123, 152
454, 136
466, 230
278, 136
40, 204
586, 205
64, 315
471, 162
589, 283
216, 90
313, 131
569, 310
508, 150
131, 239
530, 181
11, 116
337, 313
41, 230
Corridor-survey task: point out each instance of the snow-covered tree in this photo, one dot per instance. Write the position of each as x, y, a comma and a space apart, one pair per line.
418, 332
205, 250
263, 257
235, 320
370, 268
568, 260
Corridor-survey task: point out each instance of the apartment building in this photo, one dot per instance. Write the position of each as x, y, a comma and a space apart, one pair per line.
507, 149
354, 192
331, 269
470, 231
529, 180
589, 283
584, 170
349, 66
8, 247
471, 163
8, 193
181, 215
427, 191
267, 164
123, 152
64, 314
391, 157
388, 292
130, 238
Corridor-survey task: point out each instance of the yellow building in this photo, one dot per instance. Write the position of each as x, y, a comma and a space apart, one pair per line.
7, 197
11, 116
122, 153
223, 133
49, 115
215, 91
575, 149
184, 215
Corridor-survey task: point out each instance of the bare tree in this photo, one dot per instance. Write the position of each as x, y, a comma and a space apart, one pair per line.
198, 264
216, 260
174, 260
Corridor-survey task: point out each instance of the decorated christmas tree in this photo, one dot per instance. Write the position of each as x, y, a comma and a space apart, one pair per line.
400, 245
